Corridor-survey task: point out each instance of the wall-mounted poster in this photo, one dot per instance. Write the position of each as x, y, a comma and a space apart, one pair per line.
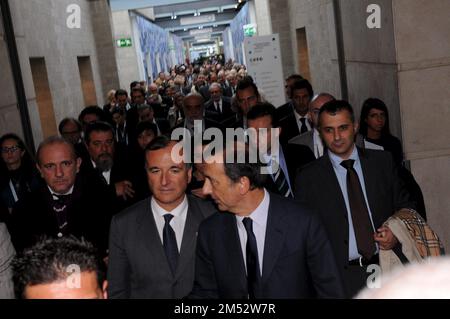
263, 58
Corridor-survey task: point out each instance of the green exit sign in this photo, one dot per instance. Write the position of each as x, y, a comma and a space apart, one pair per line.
124, 43
249, 30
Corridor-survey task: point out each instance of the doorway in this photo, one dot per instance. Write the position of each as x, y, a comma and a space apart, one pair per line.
43, 96
303, 54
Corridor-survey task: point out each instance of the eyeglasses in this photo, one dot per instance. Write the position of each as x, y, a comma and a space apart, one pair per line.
12, 149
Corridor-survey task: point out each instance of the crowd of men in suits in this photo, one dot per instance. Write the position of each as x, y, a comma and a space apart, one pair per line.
309, 227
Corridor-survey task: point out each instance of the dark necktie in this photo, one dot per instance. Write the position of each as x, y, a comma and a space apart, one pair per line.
360, 214
170, 243
218, 107
253, 271
303, 128
282, 183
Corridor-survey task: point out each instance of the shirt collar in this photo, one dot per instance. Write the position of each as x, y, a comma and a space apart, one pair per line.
56, 194
259, 215
176, 212
336, 160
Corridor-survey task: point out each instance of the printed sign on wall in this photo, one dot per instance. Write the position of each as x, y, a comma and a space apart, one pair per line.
263, 58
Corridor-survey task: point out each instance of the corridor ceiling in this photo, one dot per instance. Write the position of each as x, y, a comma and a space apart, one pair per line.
196, 22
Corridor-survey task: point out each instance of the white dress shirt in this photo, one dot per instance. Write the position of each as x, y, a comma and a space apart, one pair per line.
341, 174
318, 145
106, 174
259, 218
54, 194
218, 105
177, 222
299, 124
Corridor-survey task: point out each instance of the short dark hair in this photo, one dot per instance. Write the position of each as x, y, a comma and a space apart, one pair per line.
245, 83
161, 142
121, 92
145, 126
158, 143
92, 109
302, 84
134, 84
98, 126
118, 110
67, 120
295, 77
235, 170
262, 109
54, 140
12, 136
27, 159
138, 89
48, 261
369, 104
333, 107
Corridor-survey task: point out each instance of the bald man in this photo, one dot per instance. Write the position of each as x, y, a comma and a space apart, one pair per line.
312, 138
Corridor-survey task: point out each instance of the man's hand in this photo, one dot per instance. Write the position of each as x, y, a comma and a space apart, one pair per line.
385, 238
124, 189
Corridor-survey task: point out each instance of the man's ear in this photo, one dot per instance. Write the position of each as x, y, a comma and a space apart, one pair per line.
105, 289
39, 169
356, 127
79, 160
189, 174
244, 185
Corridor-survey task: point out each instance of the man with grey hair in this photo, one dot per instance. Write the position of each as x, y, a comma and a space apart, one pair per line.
64, 204
194, 112
218, 108
312, 138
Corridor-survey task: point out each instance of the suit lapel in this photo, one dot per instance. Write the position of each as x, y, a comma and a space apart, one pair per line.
230, 236
370, 182
310, 140
275, 234
148, 233
193, 220
332, 193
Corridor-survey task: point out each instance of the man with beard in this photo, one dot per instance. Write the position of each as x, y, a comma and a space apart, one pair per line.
65, 203
106, 164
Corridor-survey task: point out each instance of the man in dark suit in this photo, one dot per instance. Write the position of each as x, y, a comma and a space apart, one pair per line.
219, 107
312, 138
287, 158
286, 109
152, 244
260, 245
64, 204
194, 113
106, 166
297, 121
354, 192
247, 95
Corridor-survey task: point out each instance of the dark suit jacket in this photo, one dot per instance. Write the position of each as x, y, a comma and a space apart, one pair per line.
225, 117
298, 260
318, 186
290, 128
119, 172
87, 216
296, 157
284, 110
138, 266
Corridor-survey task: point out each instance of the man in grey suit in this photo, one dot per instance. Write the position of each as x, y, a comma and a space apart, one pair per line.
152, 244
312, 138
